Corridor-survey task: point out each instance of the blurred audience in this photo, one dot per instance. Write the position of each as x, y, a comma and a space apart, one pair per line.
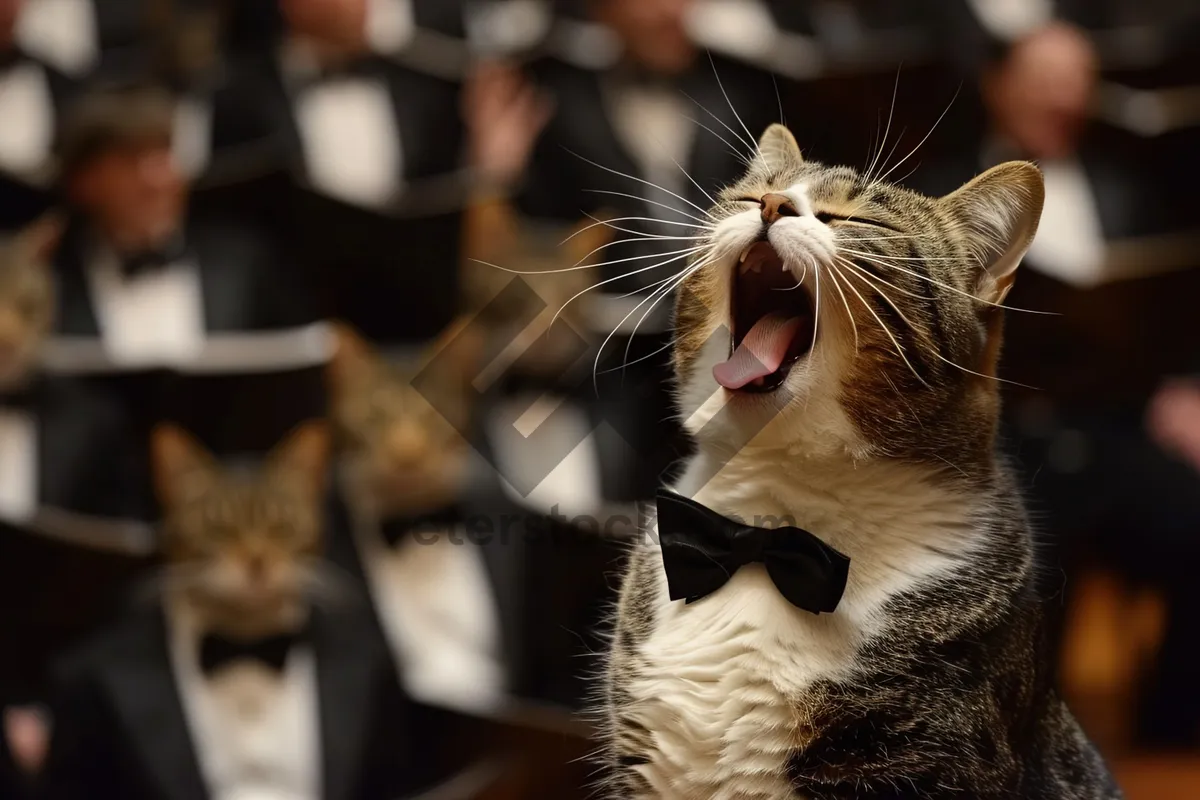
222, 224
1077, 88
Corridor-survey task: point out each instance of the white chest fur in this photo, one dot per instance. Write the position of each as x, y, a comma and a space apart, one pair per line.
721, 682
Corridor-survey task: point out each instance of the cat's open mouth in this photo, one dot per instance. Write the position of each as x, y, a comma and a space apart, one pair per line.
772, 317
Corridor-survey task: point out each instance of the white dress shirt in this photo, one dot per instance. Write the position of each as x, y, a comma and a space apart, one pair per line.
152, 319
61, 32
348, 132
18, 465
27, 111
438, 613
257, 732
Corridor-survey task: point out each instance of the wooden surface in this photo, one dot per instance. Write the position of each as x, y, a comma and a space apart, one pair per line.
1159, 777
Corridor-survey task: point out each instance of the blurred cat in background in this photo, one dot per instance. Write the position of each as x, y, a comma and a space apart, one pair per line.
239, 683
244, 549
26, 297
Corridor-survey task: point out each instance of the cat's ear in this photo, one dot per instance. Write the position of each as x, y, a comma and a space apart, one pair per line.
352, 358
777, 149
998, 213
39, 240
303, 457
183, 468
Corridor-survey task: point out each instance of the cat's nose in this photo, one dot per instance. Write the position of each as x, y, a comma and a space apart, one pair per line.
775, 206
405, 447
256, 569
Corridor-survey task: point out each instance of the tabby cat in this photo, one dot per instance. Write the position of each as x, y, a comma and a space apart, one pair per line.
836, 350
402, 421
244, 548
26, 298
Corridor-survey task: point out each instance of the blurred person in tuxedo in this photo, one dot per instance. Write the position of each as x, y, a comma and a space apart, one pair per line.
173, 310
371, 151
1093, 92
631, 120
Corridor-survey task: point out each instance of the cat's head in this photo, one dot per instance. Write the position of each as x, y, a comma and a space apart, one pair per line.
832, 312
26, 297
245, 545
401, 421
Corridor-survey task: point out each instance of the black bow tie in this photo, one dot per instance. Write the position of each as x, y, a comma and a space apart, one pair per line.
153, 259
11, 57
396, 529
702, 549
217, 651
18, 398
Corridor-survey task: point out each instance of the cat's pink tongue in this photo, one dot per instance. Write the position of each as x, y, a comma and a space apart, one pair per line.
760, 353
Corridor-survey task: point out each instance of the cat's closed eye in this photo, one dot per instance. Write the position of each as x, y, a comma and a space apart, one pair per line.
829, 217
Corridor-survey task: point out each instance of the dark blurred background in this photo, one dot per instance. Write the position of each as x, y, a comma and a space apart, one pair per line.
206, 206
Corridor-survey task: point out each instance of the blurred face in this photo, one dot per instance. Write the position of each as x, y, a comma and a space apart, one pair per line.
1039, 96
653, 32
9, 11
337, 20
135, 192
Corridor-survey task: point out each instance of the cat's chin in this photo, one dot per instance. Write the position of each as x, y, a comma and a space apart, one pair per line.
15, 373
251, 616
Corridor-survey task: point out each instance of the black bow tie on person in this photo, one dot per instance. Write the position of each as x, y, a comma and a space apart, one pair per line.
399, 528
18, 398
701, 550
153, 259
11, 57
217, 651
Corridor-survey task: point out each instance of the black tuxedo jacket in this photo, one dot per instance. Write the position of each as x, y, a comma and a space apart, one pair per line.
551, 584
63, 568
120, 731
391, 271
261, 369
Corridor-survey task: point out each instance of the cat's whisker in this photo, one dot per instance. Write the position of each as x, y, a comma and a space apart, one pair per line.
895, 145
921, 143
577, 266
736, 115
887, 130
873, 259
887, 331
748, 144
834, 272
609, 223
664, 290
577, 295
733, 150
845, 262
636, 179
636, 235
932, 260
711, 221
639, 359
644, 288
932, 351
665, 293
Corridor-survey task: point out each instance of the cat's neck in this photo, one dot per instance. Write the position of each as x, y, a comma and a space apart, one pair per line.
205, 615
851, 503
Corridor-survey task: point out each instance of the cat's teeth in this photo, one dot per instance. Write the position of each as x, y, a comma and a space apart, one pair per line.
746, 252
